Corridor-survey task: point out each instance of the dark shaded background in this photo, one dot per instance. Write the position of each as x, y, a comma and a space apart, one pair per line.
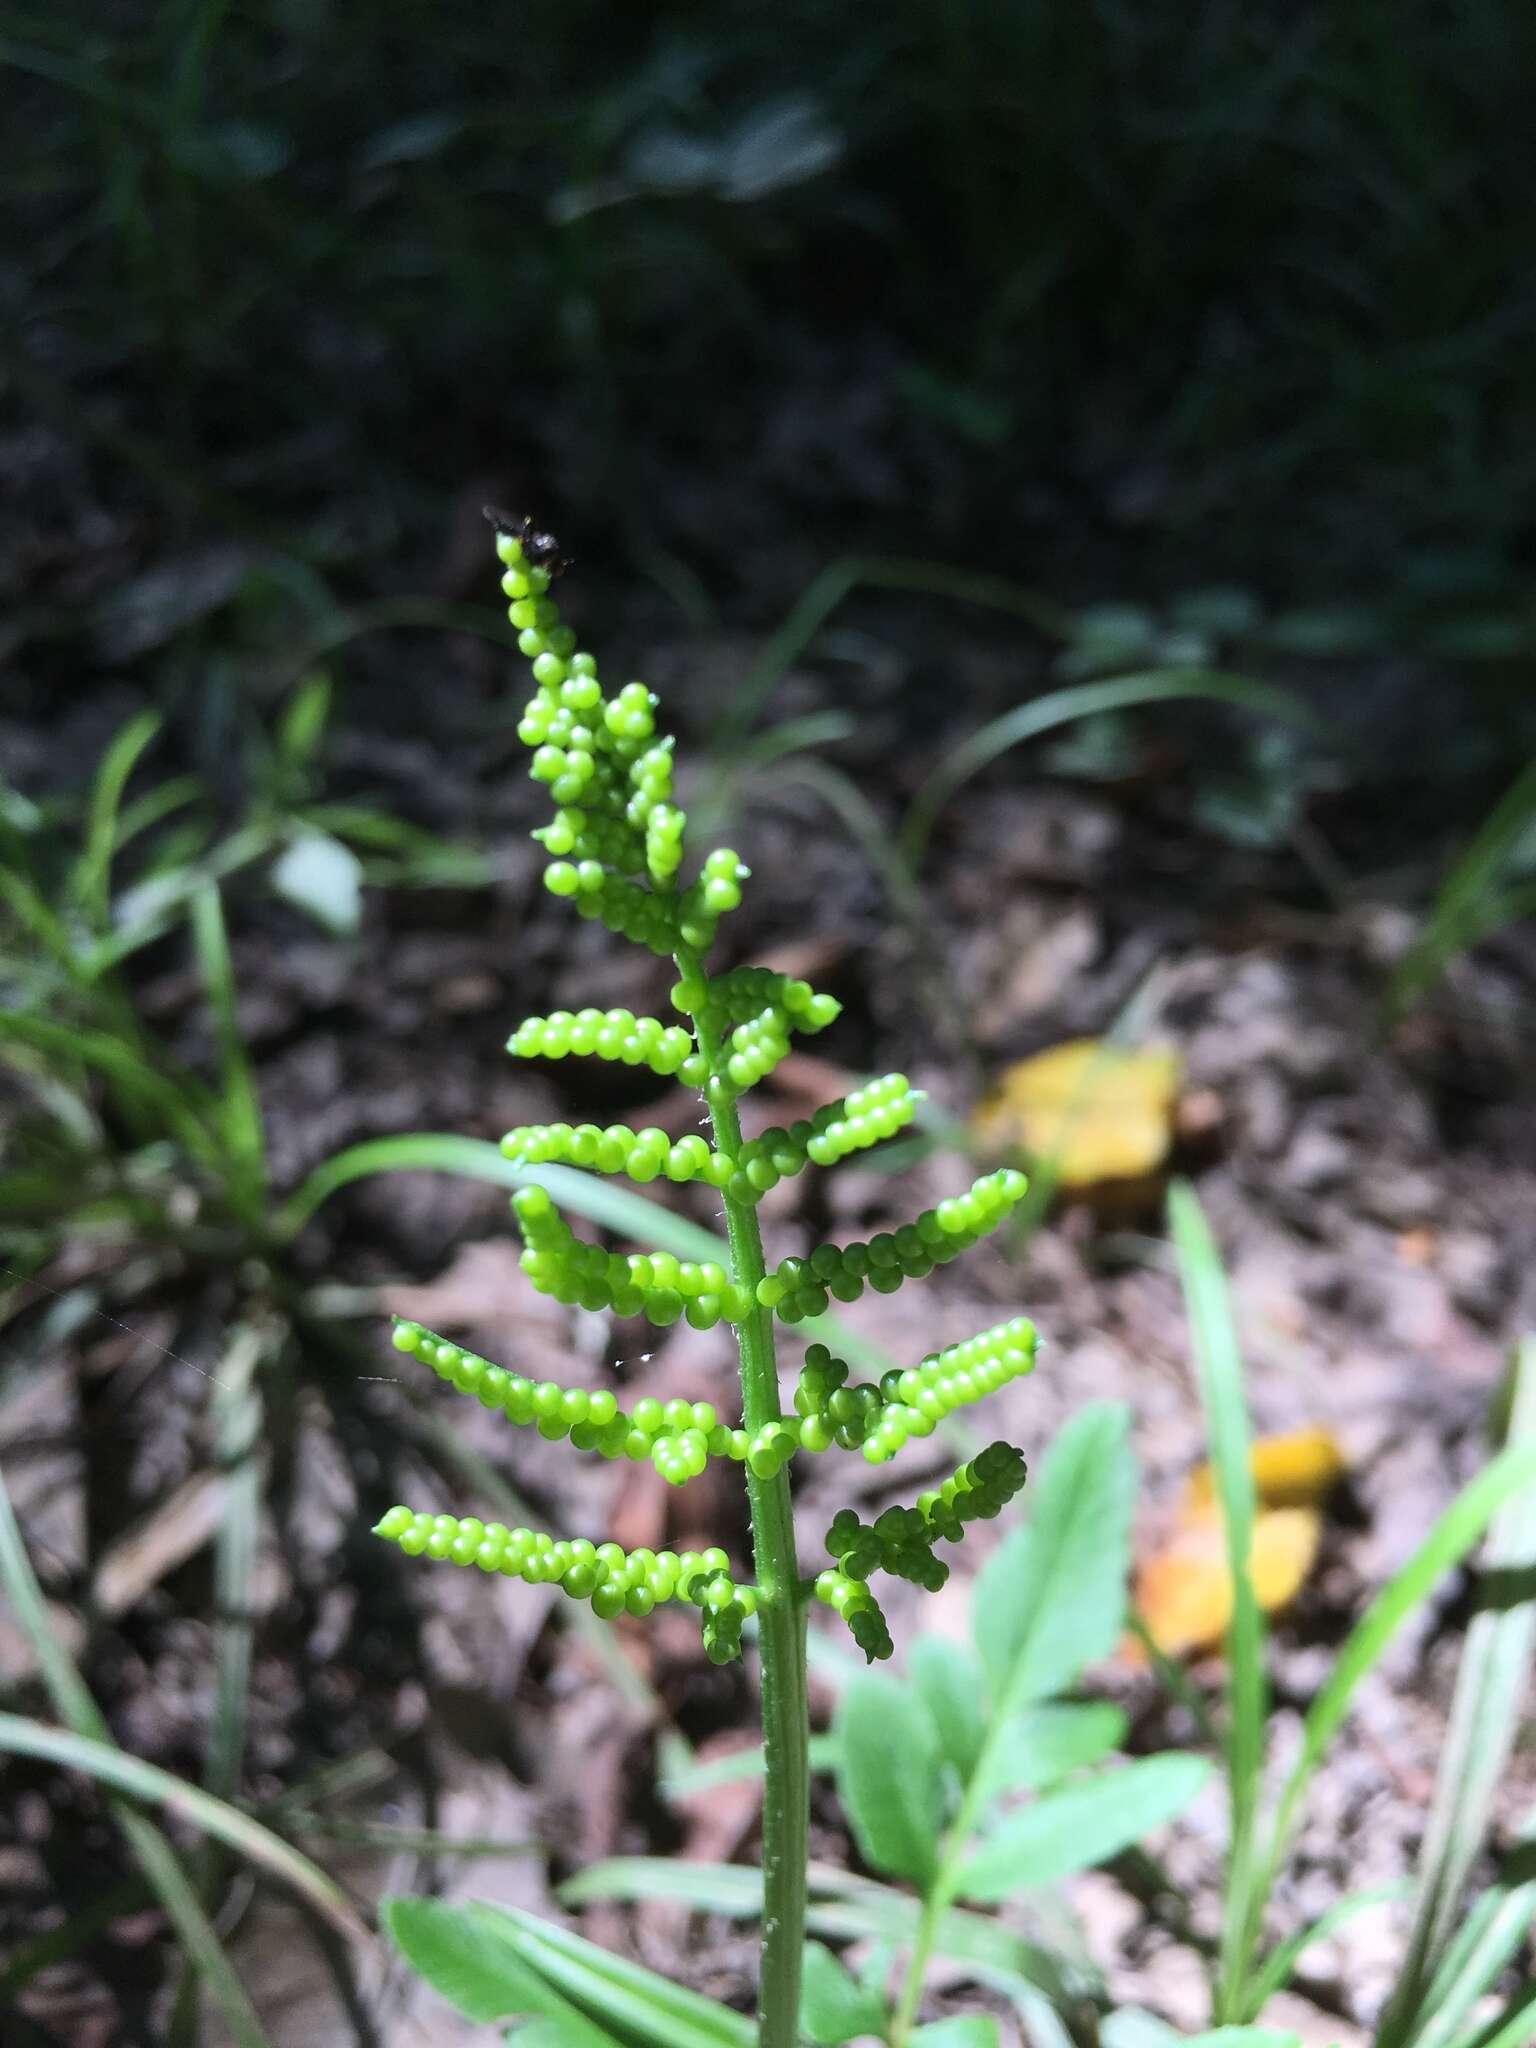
1120, 301
1146, 315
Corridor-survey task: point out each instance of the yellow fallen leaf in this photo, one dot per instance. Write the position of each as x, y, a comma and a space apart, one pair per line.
1184, 1591
1099, 1112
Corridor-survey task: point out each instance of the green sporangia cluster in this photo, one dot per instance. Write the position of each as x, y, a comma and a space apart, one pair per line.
616, 843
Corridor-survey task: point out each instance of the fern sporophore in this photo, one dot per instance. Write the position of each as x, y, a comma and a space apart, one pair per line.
616, 842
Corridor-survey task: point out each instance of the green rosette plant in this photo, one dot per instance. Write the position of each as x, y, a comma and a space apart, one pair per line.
616, 846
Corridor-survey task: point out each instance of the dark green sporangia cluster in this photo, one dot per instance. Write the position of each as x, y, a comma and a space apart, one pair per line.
617, 842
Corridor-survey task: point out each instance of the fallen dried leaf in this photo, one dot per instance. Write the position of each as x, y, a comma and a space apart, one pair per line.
1184, 1590
1098, 1112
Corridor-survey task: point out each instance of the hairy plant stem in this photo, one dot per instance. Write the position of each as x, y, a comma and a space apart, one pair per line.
780, 1608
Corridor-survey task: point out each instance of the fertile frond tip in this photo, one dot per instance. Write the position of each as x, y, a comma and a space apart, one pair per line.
616, 844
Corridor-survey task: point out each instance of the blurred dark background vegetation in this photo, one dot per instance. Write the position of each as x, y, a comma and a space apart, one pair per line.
1165, 339
1118, 300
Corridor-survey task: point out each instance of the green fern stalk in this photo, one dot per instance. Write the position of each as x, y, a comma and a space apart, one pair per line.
616, 843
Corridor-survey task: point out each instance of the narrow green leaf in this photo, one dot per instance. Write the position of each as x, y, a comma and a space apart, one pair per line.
584, 1194
1448, 1542
842, 1907
464, 1955
949, 1684
1084, 700
835, 2007
145, 1781
977, 2030
88, 1734
154, 807
832, 585
1080, 1824
635, 2003
302, 725
1220, 1369
1513, 2027
1455, 919
1051, 1598
1043, 1744
888, 1775
240, 1103
31, 910
693, 1778
91, 880
179, 1102
729, 1888
1275, 1972
1494, 1929
236, 1419
1492, 1684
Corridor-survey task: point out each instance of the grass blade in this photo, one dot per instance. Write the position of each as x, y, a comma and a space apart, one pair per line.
838, 580
1457, 915
87, 1732
91, 880
176, 1101
1486, 1943
1515, 2027
240, 1105
236, 1413
1083, 700
1220, 1368
1485, 1717
1448, 1542
600, 1201
114, 1767
1275, 1971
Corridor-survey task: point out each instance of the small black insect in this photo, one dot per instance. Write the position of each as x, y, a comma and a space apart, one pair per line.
540, 548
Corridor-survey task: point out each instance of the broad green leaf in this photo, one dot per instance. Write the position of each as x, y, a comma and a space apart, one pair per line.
948, 1682
1079, 1825
1051, 1598
1044, 1743
965, 2031
636, 2004
888, 1775
466, 1958
323, 878
835, 2007
842, 1907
